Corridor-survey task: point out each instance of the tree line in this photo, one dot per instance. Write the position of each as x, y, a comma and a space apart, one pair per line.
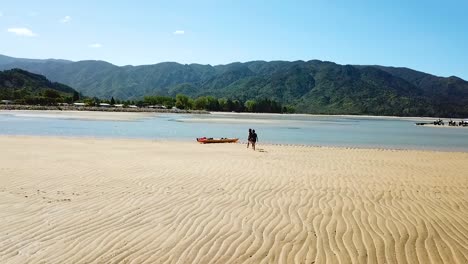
208, 103
211, 103
181, 101
45, 97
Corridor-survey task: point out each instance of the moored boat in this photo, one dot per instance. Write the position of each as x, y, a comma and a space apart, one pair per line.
205, 140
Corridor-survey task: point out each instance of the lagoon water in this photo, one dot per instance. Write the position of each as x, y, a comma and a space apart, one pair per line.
277, 129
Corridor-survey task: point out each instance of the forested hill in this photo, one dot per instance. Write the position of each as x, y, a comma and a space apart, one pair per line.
311, 86
28, 88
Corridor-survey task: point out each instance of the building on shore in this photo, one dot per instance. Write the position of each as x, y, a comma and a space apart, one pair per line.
7, 101
157, 106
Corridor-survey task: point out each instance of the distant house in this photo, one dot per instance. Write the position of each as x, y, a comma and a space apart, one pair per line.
175, 109
157, 106
104, 105
118, 105
6, 101
132, 106
79, 104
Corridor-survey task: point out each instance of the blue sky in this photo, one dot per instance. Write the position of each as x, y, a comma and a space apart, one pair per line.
430, 36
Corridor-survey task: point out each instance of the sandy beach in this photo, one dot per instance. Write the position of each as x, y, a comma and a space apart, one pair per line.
83, 200
81, 115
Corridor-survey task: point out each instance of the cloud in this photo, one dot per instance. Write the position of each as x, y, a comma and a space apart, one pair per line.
95, 45
26, 32
1, 14
66, 19
179, 32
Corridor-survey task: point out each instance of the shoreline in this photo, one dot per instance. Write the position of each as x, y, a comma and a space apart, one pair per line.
180, 111
240, 142
96, 109
416, 118
81, 115
157, 118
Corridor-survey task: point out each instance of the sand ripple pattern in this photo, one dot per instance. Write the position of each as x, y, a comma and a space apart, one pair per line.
68, 200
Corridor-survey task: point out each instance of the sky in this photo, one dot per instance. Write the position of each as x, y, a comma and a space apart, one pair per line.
429, 36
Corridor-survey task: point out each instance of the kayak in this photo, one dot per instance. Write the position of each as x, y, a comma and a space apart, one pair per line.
217, 140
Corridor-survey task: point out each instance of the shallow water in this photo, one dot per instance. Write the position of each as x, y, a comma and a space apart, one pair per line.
280, 129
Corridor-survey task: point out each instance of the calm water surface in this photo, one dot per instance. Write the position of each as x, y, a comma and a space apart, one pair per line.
284, 129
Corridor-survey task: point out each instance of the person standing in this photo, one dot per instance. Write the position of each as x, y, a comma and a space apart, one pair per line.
253, 139
249, 137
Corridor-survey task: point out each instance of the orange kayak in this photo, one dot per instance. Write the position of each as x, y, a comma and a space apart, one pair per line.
217, 140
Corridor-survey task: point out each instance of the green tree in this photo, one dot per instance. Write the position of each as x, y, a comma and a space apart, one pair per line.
159, 100
230, 106
112, 101
289, 109
222, 102
182, 101
251, 106
190, 103
49, 93
140, 103
212, 104
200, 103
76, 96
238, 106
89, 101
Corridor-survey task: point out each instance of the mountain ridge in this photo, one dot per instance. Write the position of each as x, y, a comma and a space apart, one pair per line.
214, 65
312, 86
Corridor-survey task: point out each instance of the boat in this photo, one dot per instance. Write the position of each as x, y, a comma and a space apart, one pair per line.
205, 140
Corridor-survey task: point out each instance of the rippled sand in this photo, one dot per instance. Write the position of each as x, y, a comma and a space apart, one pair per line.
65, 200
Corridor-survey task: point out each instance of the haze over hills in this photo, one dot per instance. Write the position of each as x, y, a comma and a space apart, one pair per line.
310, 86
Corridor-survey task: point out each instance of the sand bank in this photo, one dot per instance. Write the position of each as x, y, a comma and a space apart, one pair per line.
65, 200
83, 115
15, 107
266, 115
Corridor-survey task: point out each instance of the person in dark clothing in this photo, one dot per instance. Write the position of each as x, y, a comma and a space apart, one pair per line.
253, 139
249, 137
